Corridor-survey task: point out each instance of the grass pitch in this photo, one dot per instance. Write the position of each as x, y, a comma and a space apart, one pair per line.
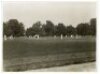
22, 54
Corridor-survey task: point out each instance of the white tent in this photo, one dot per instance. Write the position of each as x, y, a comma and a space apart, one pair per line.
5, 37
61, 36
36, 36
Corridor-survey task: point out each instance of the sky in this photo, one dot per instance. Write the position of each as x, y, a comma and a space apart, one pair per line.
68, 13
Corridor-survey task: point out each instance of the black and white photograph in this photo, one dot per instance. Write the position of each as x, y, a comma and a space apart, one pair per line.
49, 36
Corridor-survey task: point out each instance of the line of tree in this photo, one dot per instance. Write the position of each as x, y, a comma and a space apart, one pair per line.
16, 29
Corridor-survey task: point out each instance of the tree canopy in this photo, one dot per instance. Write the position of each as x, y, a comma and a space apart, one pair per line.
15, 28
